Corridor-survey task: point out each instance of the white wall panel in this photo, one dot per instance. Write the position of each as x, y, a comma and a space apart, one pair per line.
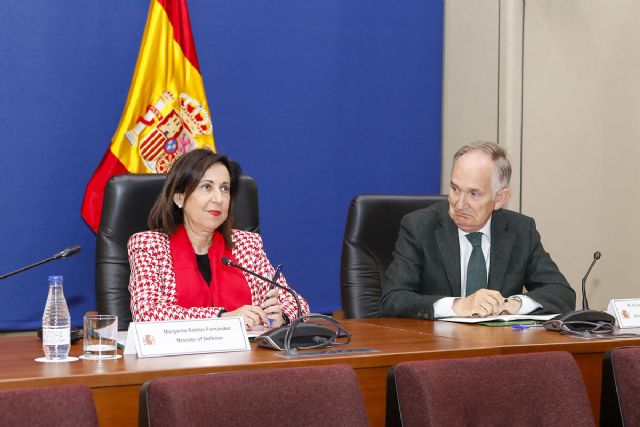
581, 138
558, 84
470, 77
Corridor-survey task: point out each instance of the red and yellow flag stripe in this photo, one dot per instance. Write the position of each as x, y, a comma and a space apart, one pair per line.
166, 113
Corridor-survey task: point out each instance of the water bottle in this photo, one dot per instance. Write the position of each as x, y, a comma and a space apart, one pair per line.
56, 322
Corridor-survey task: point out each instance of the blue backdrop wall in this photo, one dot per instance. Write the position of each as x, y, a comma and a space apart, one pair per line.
319, 100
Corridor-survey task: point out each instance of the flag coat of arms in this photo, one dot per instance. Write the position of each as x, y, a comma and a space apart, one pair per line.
166, 113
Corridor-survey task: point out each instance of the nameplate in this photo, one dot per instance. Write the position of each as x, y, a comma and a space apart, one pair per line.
626, 312
177, 337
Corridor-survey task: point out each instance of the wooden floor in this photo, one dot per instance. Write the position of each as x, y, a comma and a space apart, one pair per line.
116, 383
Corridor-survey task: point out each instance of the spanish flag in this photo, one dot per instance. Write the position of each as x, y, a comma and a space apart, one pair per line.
166, 113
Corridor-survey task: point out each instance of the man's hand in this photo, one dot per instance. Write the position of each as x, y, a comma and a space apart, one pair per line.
483, 303
512, 306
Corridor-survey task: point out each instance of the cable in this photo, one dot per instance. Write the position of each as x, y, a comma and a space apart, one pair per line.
601, 328
321, 342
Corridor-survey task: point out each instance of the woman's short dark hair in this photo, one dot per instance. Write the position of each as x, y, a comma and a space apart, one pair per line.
183, 178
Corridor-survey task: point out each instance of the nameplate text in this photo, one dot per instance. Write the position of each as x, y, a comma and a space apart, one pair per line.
626, 312
176, 337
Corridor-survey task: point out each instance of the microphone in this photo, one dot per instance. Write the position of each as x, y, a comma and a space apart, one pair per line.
226, 261
66, 253
585, 303
582, 320
301, 335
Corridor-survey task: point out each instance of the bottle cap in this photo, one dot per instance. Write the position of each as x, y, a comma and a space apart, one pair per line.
55, 279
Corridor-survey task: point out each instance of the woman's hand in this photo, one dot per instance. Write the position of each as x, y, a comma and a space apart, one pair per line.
252, 314
271, 307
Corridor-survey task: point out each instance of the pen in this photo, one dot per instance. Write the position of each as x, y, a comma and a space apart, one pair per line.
275, 277
532, 325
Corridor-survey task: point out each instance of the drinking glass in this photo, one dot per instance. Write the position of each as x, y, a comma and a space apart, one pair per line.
100, 336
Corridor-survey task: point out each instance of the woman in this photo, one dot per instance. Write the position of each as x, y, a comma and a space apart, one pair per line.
176, 272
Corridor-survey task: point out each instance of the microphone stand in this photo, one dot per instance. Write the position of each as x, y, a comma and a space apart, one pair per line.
76, 334
585, 316
226, 261
308, 335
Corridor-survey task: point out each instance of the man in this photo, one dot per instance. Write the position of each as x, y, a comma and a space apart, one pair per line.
470, 257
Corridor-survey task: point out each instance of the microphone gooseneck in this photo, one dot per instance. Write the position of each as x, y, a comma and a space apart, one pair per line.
583, 321
66, 253
585, 302
226, 261
298, 334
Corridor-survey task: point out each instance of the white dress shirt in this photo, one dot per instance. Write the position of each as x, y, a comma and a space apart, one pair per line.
444, 306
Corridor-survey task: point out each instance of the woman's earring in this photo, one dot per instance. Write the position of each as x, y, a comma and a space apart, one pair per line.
178, 200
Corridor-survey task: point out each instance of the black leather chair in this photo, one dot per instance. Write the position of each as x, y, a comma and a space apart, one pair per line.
370, 235
128, 199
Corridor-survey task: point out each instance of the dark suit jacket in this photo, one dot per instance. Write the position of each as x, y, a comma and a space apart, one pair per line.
426, 264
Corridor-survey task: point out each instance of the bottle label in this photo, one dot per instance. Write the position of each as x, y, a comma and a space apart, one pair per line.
59, 336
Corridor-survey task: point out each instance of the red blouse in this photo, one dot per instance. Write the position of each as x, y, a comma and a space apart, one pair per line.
228, 287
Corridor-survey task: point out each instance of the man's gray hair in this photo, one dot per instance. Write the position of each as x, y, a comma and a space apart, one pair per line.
499, 155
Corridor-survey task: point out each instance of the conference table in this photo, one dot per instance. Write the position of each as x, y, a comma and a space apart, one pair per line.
116, 383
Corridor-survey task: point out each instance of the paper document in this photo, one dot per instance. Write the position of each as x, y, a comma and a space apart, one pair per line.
502, 317
122, 338
256, 331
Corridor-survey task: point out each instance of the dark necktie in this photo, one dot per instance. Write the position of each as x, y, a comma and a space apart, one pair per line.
477, 267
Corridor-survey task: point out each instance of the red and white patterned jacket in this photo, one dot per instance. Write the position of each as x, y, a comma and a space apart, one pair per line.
152, 282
